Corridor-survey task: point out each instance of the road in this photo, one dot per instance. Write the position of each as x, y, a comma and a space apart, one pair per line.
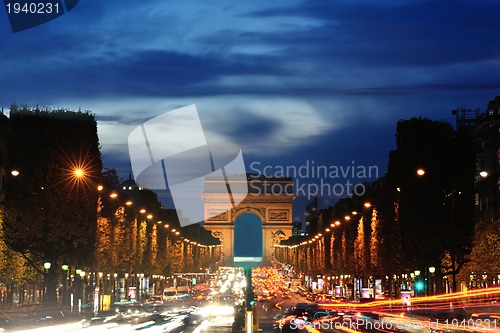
172, 318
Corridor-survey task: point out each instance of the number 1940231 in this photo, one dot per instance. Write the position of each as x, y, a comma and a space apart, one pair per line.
32, 8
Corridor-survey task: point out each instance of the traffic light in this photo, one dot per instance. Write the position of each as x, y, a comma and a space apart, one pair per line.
250, 297
419, 285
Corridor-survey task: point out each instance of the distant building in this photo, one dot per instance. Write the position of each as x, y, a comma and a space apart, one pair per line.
486, 135
4, 132
485, 129
297, 228
312, 214
130, 185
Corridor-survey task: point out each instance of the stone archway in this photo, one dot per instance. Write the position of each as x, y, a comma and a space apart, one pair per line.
270, 199
247, 237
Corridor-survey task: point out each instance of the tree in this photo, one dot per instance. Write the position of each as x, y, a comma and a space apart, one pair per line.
50, 209
375, 244
360, 251
485, 253
333, 252
434, 209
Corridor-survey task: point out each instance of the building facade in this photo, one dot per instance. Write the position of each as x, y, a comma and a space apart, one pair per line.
486, 134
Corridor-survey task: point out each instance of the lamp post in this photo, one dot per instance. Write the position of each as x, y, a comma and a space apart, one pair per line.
115, 286
99, 291
42, 190
127, 293
46, 268
417, 284
64, 296
82, 285
432, 270
78, 289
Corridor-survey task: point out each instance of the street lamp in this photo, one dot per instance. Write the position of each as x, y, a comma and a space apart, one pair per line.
420, 172
47, 185
127, 285
64, 295
115, 286
79, 173
46, 267
432, 270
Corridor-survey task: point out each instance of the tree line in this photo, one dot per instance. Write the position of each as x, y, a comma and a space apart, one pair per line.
421, 214
54, 212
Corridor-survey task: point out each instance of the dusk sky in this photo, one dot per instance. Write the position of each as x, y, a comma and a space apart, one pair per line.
287, 81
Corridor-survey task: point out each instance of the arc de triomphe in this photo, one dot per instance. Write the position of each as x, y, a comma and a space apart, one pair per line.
270, 199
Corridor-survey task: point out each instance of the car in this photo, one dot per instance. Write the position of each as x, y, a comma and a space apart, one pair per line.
302, 291
299, 309
299, 315
323, 298
155, 300
293, 323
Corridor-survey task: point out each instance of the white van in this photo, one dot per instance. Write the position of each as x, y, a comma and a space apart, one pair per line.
169, 294
173, 293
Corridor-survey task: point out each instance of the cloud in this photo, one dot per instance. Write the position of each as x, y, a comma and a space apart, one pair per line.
275, 77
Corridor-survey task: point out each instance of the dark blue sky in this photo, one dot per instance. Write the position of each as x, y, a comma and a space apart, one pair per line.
289, 81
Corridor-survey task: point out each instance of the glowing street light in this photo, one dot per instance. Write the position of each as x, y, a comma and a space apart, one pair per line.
14, 173
79, 173
420, 172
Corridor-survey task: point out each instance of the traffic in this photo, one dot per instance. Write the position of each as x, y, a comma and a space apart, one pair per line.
278, 304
